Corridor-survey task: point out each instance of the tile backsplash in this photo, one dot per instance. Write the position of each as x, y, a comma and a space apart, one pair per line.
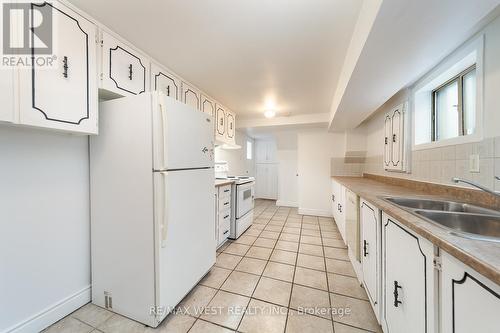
436, 165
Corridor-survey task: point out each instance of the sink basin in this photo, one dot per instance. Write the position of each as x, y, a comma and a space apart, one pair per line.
475, 226
441, 205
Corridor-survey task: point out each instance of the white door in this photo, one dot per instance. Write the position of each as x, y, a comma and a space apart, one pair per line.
388, 141
220, 128
185, 224
63, 97
207, 105
261, 181
175, 147
7, 97
370, 220
405, 289
167, 83
397, 132
123, 70
191, 96
469, 302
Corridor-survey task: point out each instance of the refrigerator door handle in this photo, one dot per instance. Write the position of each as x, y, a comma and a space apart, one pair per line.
164, 218
163, 136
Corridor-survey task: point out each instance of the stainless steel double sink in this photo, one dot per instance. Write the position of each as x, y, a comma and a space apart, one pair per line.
458, 218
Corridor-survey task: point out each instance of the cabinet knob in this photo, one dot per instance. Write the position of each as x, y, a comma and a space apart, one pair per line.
386, 140
394, 138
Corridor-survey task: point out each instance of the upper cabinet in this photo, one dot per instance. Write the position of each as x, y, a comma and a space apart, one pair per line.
7, 100
164, 81
123, 70
191, 96
395, 140
230, 127
207, 105
62, 96
220, 128
265, 151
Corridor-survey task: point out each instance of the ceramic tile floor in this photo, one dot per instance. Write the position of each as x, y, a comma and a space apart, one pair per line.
287, 273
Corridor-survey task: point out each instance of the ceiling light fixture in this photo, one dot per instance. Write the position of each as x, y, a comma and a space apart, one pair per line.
270, 113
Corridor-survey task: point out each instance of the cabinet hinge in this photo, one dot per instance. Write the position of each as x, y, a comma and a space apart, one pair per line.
437, 263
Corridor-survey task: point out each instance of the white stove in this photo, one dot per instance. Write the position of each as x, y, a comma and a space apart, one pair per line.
242, 199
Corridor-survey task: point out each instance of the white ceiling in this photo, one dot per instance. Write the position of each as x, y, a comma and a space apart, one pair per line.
243, 53
407, 39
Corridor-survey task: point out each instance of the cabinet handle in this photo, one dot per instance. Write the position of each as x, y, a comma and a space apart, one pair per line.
365, 248
333, 197
394, 138
65, 67
168, 91
225, 191
225, 232
340, 208
130, 71
225, 217
386, 140
226, 203
396, 294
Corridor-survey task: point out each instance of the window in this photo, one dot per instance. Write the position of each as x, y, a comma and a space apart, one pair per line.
249, 150
454, 106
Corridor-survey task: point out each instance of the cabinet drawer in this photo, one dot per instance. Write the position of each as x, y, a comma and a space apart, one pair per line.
224, 204
224, 226
224, 191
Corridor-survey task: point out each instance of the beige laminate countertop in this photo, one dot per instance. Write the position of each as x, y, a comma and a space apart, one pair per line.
482, 256
222, 182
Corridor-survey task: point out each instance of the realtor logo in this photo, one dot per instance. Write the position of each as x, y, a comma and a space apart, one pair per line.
27, 28
27, 35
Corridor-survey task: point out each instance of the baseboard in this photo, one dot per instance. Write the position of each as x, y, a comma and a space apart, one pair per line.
286, 203
53, 313
315, 212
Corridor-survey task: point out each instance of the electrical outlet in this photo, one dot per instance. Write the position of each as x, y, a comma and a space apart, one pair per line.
474, 163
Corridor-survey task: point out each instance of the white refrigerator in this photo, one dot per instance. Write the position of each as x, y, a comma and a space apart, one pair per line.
152, 211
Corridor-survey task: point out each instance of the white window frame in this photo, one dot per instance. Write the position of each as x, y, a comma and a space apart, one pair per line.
471, 53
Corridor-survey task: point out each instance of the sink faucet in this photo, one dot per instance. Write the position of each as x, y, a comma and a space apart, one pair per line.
457, 180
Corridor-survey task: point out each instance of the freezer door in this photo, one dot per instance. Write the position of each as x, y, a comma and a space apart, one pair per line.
183, 136
185, 224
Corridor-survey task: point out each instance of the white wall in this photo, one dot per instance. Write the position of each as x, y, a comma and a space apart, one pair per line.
315, 150
45, 224
237, 158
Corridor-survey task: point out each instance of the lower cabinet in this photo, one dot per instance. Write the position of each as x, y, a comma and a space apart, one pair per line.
370, 252
407, 280
266, 185
338, 206
469, 302
223, 218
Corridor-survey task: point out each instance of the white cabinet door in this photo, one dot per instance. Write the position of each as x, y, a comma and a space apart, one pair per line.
207, 105
162, 80
407, 262
394, 141
63, 97
272, 179
231, 130
469, 302
370, 251
7, 97
261, 181
220, 128
265, 151
123, 70
397, 142
191, 96
387, 140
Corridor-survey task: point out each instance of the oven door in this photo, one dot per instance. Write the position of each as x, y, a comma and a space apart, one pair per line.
244, 198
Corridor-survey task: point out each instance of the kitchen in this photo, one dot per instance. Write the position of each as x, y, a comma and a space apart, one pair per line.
333, 168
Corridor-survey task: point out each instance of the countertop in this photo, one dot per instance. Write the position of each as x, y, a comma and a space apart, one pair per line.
482, 256
222, 182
